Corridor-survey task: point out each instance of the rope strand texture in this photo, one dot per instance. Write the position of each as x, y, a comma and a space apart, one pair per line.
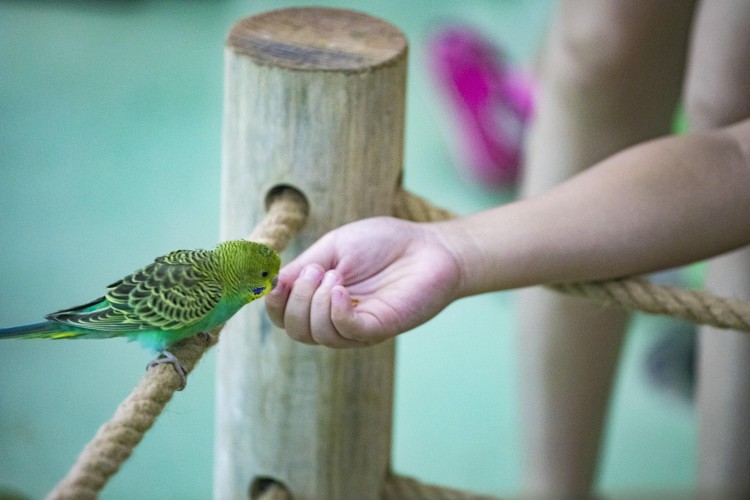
638, 294
114, 442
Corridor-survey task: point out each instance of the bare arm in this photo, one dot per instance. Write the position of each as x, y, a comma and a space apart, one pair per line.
657, 205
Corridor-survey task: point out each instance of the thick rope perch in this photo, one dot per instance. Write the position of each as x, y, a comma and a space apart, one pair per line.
116, 439
693, 305
628, 293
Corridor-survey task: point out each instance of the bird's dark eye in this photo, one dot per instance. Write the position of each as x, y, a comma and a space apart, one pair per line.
264, 274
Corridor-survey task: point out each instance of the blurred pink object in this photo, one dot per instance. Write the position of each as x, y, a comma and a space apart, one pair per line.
491, 101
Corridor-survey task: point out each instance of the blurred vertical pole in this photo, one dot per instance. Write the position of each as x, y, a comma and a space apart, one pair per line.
314, 99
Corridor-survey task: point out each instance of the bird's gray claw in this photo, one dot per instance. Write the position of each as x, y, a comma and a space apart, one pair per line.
168, 357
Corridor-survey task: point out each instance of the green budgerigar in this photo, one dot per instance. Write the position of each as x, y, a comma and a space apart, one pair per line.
181, 294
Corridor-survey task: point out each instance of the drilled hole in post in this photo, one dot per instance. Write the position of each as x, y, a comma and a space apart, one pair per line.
268, 488
287, 191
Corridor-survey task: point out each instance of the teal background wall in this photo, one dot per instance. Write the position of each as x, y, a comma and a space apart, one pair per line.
110, 133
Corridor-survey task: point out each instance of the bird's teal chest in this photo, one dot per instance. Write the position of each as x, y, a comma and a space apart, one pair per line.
225, 309
159, 340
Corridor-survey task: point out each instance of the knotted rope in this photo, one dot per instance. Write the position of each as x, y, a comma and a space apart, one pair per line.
116, 439
633, 294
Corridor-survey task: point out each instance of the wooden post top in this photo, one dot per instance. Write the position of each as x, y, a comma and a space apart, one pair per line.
316, 38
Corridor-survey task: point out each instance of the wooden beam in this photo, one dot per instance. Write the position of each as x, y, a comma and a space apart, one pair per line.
314, 99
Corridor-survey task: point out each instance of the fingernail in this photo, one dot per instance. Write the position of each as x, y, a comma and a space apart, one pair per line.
311, 273
278, 288
330, 278
338, 297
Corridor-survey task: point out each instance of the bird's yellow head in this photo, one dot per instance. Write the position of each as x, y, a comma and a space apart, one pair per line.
252, 268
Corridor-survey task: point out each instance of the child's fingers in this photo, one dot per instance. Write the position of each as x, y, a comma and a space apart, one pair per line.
322, 329
297, 311
353, 323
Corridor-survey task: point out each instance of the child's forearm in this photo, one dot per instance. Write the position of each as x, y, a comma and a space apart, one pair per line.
658, 205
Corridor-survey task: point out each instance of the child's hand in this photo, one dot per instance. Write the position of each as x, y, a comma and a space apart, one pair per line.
365, 282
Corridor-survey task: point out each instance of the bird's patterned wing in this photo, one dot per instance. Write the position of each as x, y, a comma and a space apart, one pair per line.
173, 292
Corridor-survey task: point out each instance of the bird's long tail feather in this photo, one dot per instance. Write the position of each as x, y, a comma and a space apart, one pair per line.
43, 330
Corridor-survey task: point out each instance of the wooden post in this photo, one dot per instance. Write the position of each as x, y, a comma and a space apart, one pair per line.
314, 99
